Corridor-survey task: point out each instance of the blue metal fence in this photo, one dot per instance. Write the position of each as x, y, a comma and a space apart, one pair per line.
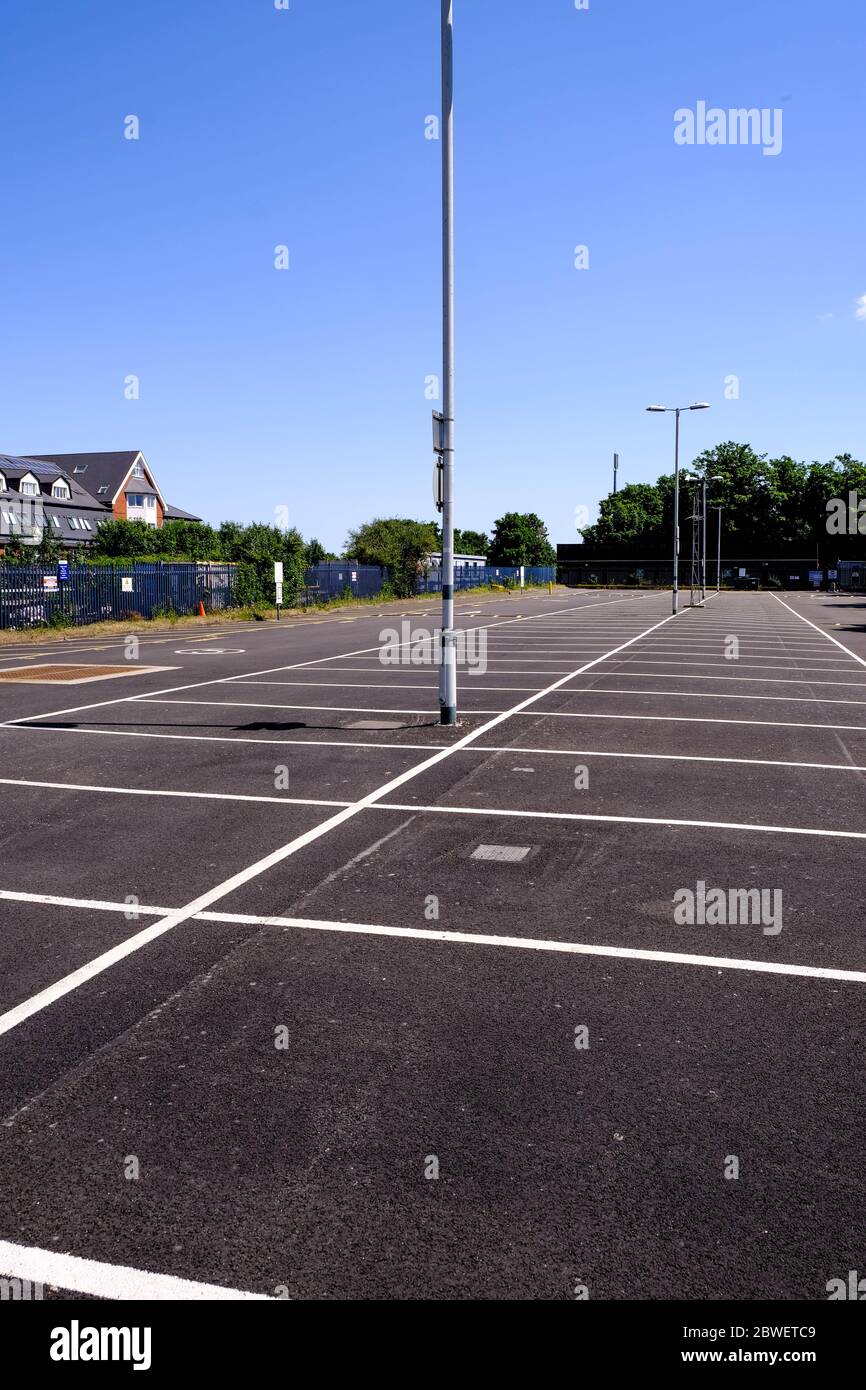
31, 594
339, 578
468, 577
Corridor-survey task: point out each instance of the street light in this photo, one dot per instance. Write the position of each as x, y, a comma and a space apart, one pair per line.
677, 410
711, 478
448, 668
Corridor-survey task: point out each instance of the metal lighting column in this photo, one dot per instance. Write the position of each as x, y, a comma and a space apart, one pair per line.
704, 546
448, 668
719, 554
676, 515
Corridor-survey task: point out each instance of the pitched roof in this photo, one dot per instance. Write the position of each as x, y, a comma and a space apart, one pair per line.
95, 470
175, 514
16, 468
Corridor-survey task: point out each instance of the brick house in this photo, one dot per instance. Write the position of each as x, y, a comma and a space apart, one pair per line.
69, 494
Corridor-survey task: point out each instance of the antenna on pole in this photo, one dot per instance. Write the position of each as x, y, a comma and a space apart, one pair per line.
615, 469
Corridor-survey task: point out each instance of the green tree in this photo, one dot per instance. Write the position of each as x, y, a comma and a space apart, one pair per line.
15, 552
188, 540
470, 542
399, 544
520, 538
314, 553
124, 540
49, 550
636, 512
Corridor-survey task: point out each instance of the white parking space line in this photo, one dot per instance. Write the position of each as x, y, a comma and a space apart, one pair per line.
715, 695
661, 757
226, 738
695, 719
319, 709
46, 997
754, 680
183, 795
741, 665
494, 811
826, 635
521, 943
53, 1269
273, 670
380, 685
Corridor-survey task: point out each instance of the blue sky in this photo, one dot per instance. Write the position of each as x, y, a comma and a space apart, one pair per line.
305, 388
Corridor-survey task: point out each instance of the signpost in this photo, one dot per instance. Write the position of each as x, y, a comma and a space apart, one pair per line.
278, 584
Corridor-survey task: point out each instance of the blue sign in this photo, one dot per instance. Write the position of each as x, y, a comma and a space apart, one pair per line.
62, 569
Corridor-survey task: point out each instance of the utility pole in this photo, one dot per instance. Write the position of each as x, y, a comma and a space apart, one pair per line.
448, 668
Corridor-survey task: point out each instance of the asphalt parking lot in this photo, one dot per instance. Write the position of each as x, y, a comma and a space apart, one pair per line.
304, 995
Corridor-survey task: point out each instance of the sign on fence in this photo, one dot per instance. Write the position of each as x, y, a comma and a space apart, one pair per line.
97, 593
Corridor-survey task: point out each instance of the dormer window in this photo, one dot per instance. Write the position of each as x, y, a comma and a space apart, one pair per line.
61, 489
29, 485
2, 482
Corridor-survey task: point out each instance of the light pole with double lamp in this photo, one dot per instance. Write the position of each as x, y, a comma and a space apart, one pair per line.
676, 410
712, 478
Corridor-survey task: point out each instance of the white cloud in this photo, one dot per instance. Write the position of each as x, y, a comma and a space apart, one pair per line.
860, 310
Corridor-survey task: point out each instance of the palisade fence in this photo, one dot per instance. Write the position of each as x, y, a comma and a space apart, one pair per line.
468, 577
334, 579
35, 595
343, 579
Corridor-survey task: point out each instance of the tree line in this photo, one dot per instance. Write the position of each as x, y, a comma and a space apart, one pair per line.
397, 544
767, 502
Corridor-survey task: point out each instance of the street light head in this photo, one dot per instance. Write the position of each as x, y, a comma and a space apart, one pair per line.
700, 405
657, 408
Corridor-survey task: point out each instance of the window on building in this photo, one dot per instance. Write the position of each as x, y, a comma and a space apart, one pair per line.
138, 471
134, 499
85, 524
149, 501
29, 486
73, 522
55, 521
61, 489
101, 490
2, 483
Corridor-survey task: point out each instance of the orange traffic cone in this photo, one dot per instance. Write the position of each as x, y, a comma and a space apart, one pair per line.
201, 612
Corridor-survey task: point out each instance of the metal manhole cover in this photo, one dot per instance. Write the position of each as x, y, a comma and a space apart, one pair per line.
503, 854
73, 675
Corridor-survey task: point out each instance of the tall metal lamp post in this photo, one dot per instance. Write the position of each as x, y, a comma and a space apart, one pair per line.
677, 410
448, 668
